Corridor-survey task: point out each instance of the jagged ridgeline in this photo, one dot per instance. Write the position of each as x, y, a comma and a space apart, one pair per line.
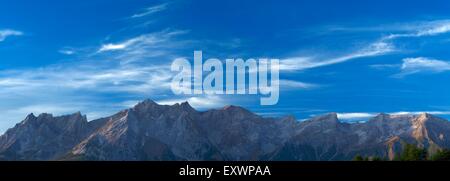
150, 131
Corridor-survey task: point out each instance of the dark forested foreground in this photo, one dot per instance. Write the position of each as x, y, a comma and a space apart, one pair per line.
411, 153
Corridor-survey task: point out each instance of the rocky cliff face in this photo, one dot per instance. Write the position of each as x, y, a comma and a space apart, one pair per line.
150, 131
44, 137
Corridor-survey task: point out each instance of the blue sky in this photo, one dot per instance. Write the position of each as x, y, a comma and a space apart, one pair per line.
356, 58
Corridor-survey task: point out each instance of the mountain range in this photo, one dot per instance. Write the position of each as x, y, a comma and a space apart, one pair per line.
150, 131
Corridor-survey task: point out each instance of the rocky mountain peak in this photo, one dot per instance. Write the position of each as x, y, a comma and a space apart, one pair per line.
326, 121
289, 119
383, 115
380, 118
30, 116
236, 112
327, 118
45, 116
236, 109
75, 117
420, 131
424, 116
147, 107
149, 131
186, 106
332, 116
145, 104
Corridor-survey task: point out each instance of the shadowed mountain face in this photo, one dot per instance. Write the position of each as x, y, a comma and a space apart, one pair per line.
150, 131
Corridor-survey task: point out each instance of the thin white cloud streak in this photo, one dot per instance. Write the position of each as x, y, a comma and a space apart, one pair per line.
8, 32
296, 85
283, 84
163, 44
432, 28
151, 10
145, 40
198, 102
368, 115
302, 63
131, 79
422, 64
67, 51
385, 66
111, 47
383, 46
360, 115
402, 30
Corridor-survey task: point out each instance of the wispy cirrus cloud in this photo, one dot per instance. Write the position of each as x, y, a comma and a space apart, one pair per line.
142, 41
422, 29
8, 32
385, 66
131, 79
156, 44
151, 10
384, 45
397, 30
416, 65
302, 63
422, 64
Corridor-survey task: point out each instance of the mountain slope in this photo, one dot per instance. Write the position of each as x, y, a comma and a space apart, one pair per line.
44, 137
149, 131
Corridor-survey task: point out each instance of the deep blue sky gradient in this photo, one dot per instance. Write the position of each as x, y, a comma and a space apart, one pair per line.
229, 29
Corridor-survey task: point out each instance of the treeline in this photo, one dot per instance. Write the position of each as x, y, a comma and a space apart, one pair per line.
411, 153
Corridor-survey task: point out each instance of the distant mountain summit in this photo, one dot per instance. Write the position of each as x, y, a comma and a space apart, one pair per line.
149, 131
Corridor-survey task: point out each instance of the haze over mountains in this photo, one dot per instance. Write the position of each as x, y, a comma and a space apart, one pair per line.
149, 131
